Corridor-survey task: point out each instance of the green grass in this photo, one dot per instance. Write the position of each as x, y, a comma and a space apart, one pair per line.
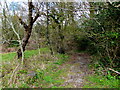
7, 56
63, 59
97, 81
28, 54
50, 76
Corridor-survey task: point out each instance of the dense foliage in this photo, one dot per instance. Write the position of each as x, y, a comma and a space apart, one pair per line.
102, 36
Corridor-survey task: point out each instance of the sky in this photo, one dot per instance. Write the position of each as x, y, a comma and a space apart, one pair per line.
59, 0
13, 0
13, 5
32, 0
48, 0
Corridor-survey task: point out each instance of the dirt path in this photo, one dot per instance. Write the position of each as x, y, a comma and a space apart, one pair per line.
78, 70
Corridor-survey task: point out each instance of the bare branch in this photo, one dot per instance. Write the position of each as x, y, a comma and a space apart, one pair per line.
37, 15
114, 71
30, 9
23, 23
20, 43
18, 36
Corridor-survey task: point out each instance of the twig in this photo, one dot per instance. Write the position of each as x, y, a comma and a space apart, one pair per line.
13, 73
18, 36
114, 70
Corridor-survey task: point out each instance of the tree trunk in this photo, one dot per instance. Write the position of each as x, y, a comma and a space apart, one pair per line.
27, 28
47, 31
61, 48
24, 43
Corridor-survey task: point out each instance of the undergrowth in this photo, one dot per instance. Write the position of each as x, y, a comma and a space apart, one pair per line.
99, 81
28, 54
102, 77
40, 70
43, 70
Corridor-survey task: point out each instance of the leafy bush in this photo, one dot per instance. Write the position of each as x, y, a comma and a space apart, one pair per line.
14, 44
85, 44
104, 36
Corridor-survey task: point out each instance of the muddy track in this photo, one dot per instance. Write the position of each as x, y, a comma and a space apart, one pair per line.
78, 70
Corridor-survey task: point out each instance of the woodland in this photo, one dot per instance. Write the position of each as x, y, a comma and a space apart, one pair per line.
59, 44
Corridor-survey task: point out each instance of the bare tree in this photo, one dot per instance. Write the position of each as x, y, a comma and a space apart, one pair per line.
27, 27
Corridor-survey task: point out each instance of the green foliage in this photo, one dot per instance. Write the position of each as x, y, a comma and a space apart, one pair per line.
103, 36
47, 76
97, 81
7, 31
14, 44
24, 85
99, 36
39, 71
85, 44
63, 59
23, 71
48, 79
58, 87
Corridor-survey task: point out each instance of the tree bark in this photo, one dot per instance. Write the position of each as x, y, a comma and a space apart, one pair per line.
27, 28
47, 30
24, 42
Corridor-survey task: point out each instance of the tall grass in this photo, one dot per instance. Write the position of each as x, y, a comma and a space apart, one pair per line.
39, 70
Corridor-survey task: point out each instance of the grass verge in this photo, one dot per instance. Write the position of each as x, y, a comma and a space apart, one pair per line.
39, 70
28, 54
99, 81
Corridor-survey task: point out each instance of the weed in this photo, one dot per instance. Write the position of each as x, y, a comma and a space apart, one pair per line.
63, 58
24, 85
38, 70
8, 56
96, 81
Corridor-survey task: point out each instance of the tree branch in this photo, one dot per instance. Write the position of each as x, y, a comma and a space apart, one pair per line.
114, 71
23, 23
37, 15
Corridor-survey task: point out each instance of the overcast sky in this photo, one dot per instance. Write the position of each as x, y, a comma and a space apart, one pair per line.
19, 0
42, 0
59, 0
